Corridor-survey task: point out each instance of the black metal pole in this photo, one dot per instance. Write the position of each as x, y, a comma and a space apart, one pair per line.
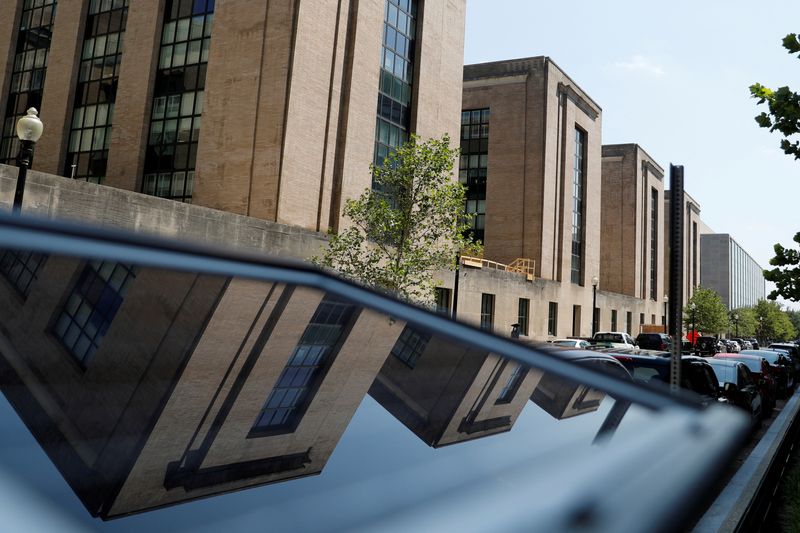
676, 243
594, 309
455, 286
23, 162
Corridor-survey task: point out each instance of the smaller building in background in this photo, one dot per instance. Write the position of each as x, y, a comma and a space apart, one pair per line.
729, 270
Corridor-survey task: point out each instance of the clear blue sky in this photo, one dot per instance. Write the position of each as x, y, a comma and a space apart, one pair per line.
673, 77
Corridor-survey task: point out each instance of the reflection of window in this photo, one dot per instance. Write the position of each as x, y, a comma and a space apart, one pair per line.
20, 268
92, 306
512, 385
410, 345
306, 367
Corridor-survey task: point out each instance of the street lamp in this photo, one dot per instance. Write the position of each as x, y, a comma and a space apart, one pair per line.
595, 282
666, 301
736, 324
761, 329
693, 309
29, 129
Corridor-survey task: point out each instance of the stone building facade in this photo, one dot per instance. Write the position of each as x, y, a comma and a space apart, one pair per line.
632, 234
264, 109
729, 270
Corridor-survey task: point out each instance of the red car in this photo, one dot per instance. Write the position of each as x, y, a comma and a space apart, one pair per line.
763, 374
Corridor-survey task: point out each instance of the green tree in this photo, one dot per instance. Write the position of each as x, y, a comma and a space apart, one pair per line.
710, 314
400, 237
783, 116
786, 274
794, 318
773, 323
745, 323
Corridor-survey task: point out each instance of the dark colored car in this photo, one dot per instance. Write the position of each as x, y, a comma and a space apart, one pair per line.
230, 391
654, 341
765, 379
705, 346
754, 342
782, 367
696, 374
738, 386
794, 352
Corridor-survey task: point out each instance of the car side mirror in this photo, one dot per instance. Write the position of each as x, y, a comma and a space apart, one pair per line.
729, 387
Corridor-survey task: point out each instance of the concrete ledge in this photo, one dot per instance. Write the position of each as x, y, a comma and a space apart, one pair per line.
731, 506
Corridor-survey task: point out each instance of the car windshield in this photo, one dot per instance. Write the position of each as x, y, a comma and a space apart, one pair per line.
609, 337
230, 394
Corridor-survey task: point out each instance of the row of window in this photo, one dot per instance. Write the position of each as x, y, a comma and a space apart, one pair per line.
28, 73
473, 167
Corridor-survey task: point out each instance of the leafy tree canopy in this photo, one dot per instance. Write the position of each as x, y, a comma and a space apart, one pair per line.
783, 116
710, 315
772, 322
743, 322
400, 237
786, 274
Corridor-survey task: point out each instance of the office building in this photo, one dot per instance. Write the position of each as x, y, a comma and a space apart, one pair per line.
273, 110
632, 234
730, 271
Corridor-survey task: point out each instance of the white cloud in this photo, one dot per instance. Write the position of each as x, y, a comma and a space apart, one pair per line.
640, 63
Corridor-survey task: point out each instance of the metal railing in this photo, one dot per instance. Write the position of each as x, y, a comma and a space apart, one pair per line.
523, 266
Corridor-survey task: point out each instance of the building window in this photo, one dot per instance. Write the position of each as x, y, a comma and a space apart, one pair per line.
178, 99
695, 245
552, 319
653, 319
92, 306
523, 315
576, 320
487, 311
629, 322
20, 268
578, 176
641, 320
512, 385
28, 70
653, 244
613, 320
96, 92
410, 345
307, 366
397, 72
473, 166
443, 297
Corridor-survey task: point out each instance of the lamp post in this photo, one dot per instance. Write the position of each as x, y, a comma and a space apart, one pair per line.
595, 282
736, 324
693, 309
761, 329
666, 312
29, 129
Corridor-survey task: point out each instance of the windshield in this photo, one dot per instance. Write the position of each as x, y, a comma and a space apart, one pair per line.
609, 337
152, 389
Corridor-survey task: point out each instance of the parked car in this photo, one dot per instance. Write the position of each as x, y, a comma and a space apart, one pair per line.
696, 374
706, 346
782, 366
614, 339
743, 343
654, 341
739, 386
794, 352
765, 379
571, 343
754, 342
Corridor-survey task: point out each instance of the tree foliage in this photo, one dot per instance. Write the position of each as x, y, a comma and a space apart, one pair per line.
773, 322
786, 274
401, 236
743, 322
710, 315
783, 116
784, 106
